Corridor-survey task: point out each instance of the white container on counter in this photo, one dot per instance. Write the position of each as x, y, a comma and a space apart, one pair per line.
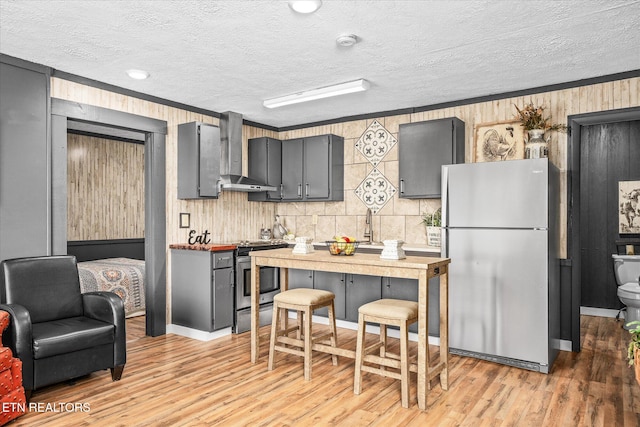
303, 245
393, 250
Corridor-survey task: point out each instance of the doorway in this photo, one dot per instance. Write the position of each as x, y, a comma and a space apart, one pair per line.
155, 215
609, 153
603, 148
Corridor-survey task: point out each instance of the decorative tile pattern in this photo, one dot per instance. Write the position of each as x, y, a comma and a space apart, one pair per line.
375, 191
375, 143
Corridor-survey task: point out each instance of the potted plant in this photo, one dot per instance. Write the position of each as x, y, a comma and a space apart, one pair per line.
533, 120
633, 351
433, 221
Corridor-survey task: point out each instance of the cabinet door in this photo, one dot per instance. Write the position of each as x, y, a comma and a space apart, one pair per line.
24, 171
360, 290
265, 165
422, 149
198, 160
407, 289
333, 282
292, 163
209, 169
300, 278
317, 163
222, 298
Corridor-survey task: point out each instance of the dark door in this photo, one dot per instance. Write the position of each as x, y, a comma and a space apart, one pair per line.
609, 153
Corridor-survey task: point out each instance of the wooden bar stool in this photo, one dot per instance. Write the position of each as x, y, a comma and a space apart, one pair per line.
304, 301
385, 312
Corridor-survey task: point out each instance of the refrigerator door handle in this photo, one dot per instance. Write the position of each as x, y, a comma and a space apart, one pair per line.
445, 198
444, 252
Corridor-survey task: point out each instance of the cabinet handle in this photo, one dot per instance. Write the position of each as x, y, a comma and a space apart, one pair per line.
281, 191
402, 186
306, 189
300, 190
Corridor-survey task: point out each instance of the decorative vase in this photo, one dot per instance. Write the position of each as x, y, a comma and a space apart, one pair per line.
433, 236
536, 146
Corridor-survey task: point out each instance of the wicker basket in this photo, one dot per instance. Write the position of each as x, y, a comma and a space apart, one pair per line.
341, 248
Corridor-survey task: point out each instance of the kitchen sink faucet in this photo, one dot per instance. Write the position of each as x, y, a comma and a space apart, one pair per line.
368, 229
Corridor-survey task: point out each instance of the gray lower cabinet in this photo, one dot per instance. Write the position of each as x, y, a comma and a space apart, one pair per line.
360, 290
423, 147
202, 289
25, 174
198, 160
407, 289
300, 278
333, 282
353, 290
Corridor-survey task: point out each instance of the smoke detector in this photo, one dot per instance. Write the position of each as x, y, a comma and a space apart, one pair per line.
347, 40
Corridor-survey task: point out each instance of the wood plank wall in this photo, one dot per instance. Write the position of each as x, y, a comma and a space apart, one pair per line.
105, 189
232, 217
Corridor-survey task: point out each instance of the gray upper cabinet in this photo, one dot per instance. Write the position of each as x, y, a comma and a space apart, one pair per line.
423, 147
198, 160
265, 165
292, 165
25, 176
313, 168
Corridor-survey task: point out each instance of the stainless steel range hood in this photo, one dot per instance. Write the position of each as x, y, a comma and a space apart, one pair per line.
231, 178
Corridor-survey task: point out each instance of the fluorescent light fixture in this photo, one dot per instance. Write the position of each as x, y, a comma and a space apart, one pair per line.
305, 6
138, 74
313, 94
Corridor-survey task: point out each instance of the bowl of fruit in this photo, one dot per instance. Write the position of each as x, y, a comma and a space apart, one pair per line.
342, 245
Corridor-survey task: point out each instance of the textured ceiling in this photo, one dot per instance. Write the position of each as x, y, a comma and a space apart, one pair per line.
231, 55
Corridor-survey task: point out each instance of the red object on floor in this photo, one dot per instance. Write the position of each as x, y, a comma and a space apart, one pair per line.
12, 399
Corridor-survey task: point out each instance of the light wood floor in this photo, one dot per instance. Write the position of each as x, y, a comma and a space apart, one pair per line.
175, 381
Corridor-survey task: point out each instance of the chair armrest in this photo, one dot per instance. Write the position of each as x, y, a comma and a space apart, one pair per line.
19, 338
108, 307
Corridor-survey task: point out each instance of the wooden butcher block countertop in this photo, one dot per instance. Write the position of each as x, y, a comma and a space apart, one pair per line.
213, 247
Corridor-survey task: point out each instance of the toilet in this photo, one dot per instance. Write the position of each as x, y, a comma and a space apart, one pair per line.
627, 269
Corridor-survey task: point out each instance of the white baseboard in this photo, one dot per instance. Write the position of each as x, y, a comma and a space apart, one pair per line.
601, 312
196, 334
565, 345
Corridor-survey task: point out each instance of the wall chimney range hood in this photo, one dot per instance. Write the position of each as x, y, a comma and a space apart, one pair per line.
231, 178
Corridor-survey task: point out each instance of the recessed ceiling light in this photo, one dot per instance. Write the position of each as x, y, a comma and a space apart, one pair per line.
305, 6
138, 74
313, 94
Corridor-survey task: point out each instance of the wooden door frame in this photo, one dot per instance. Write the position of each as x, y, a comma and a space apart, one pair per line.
155, 194
576, 122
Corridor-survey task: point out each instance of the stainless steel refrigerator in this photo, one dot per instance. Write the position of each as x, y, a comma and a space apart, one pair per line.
500, 229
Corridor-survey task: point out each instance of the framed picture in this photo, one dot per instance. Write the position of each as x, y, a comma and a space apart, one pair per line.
185, 220
628, 198
498, 141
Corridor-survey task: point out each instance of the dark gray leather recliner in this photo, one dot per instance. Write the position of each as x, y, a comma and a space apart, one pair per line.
58, 332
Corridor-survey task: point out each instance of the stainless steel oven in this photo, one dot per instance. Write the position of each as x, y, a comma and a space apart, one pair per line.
269, 285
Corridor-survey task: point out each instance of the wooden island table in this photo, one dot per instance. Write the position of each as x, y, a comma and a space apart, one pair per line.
412, 267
